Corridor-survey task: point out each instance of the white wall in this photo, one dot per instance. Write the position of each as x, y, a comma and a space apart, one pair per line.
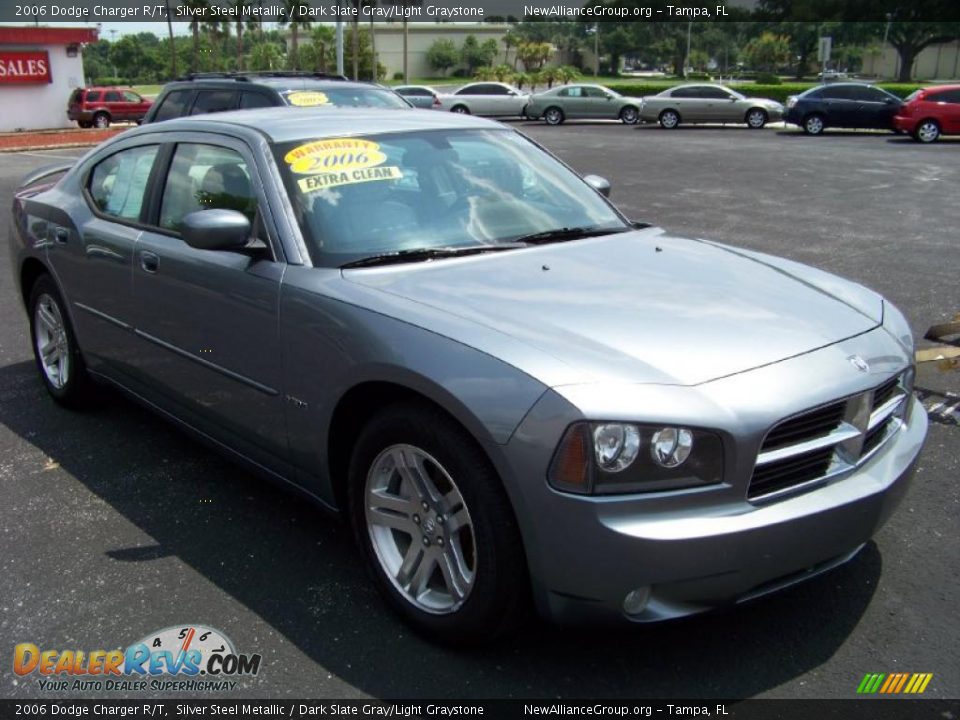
40, 107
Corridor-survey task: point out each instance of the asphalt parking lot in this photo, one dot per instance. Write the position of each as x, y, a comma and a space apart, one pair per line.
115, 524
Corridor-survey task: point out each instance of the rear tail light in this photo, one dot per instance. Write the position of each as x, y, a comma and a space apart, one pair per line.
436, 101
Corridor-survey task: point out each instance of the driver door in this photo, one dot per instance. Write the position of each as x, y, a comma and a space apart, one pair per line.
207, 320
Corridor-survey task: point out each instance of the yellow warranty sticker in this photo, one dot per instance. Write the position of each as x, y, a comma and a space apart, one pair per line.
334, 155
308, 99
348, 177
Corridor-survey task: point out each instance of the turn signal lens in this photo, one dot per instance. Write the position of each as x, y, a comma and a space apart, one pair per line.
570, 469
671, 446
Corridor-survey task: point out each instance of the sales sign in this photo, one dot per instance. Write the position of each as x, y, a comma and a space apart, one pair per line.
25, 66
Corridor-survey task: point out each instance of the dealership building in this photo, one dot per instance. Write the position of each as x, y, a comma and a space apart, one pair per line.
39, 66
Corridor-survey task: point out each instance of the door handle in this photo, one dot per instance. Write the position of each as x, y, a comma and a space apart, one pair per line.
61, 235
149, 261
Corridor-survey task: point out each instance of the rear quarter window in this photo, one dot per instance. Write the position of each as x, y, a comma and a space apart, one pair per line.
173, 105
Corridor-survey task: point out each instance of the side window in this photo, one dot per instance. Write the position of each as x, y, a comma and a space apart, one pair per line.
173, 105
206, 177
250, 100
118, 184
93, 96
112, 96
838, 93
686, 92
211, 101
945, 96
592, 92
714, 93
132, 97
572, 92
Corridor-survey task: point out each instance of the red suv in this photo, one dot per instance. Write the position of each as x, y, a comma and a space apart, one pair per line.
930, 112
100, 106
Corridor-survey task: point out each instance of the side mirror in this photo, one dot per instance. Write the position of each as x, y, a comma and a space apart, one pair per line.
215, 229
600, 184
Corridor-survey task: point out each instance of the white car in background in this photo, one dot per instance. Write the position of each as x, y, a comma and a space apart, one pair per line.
493, 99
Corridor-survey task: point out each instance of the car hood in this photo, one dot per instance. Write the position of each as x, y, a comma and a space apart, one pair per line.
642, 306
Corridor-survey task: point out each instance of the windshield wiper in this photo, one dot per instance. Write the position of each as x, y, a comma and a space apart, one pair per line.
421, 254
566, 233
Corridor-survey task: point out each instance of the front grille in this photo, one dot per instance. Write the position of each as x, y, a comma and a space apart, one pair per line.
823, 442
809, 425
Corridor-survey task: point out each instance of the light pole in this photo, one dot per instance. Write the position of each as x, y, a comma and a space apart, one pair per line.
339, 46
596, 49
886, 31
686, 59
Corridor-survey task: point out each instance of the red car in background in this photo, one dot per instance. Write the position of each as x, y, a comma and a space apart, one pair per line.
930, 112
100, 106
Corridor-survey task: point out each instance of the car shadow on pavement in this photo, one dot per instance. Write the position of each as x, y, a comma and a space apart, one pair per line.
296, 568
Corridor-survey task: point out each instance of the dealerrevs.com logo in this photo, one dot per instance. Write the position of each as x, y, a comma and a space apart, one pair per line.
181, 658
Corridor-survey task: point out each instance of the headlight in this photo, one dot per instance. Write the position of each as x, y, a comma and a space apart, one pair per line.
607, 458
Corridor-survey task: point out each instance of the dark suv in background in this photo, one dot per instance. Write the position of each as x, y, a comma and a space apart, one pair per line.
842, 105
201, 93
100, 106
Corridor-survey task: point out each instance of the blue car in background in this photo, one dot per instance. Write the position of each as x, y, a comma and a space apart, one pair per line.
842, 105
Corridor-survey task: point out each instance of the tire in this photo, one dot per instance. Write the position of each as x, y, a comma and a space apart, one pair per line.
813, 124
468, 524
927, 131
55, 347
461, 109
553, 116
101, 120
629, 116
669, 119
85, 124
756, 118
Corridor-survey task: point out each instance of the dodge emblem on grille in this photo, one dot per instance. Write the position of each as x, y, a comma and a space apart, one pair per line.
859, 363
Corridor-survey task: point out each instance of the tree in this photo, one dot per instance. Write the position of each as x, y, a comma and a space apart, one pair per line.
503, 73
319, 54
615, 44
767, 52
266, 56
567, 74
197, 9
297, 16
442, 55
534, 54
910, 38
475, 55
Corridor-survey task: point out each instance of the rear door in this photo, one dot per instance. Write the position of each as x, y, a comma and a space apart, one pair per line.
114, 103
688, 103
207, 321
214, 101
841, 104
173, 105
93, 259
946, 104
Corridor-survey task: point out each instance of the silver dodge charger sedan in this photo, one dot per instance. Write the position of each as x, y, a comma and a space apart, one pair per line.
517, 396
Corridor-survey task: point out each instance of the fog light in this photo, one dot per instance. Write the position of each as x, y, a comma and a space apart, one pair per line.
636, 601
671, 446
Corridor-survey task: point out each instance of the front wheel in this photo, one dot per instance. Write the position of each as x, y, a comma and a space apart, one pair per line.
435, 525
629, 116
460, 109
55, 345
669, 119
553, 116
756, 119
927, 132
813, 124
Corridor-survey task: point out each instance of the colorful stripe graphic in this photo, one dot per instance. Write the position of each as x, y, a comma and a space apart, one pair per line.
894, 683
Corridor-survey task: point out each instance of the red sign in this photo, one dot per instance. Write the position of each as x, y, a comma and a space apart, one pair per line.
24, 66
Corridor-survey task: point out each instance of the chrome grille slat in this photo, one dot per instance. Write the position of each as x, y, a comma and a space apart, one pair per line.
809, 449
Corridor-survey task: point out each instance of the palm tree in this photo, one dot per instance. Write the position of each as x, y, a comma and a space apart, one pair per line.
373, 42
355, 39
197, 8
239, 4
567, 74
173, 49
296, 17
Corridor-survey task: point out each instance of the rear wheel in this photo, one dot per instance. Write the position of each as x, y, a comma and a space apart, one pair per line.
756, 118
461, 109
813, 124
436, 527
101, 120
55, 345
553, 116
629, 116
669, 119
927, 131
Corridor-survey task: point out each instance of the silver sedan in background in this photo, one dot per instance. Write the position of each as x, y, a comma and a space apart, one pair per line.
493, 99
708, 103
420, 96
583, 102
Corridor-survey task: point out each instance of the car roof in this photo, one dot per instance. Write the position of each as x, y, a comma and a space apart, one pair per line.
283, 124
275, 83
938, 88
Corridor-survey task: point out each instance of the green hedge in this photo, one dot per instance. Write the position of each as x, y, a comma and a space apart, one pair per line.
773, 92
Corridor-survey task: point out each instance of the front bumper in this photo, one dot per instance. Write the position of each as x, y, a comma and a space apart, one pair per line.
593, 551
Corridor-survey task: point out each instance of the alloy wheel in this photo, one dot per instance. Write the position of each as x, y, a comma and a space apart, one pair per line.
420, 529
553, 116
756, 119
813, 125
928, 131
629, 116
53, 345
669, 119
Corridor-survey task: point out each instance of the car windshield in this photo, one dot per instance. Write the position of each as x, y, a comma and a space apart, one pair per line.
360, 197
348, 96
913, 96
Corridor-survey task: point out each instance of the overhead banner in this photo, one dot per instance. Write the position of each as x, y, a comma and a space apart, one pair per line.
20, 67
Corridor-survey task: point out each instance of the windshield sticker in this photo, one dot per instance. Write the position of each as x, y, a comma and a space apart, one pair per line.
308, 99
361, 175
